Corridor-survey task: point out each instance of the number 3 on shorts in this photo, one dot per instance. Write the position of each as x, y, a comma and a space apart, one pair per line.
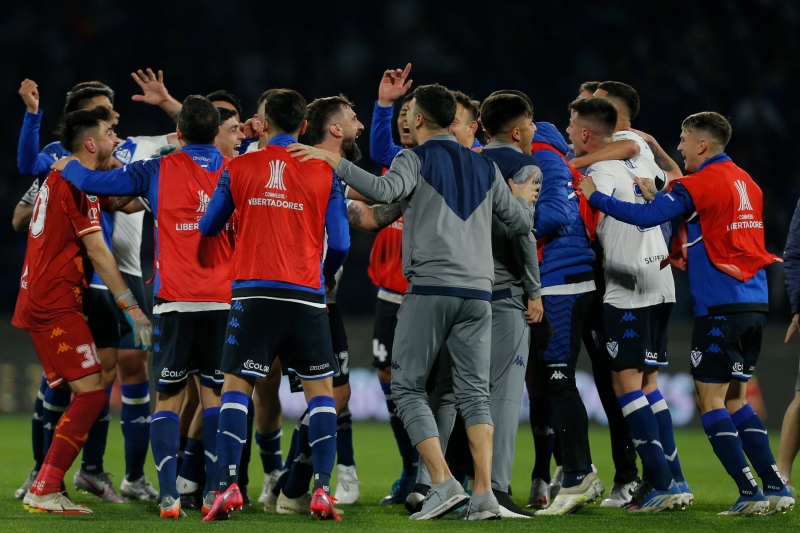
90, 353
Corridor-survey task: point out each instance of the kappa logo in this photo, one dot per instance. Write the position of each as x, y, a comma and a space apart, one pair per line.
157, 348
63, 347
234, 323
232, 340
629, 334
203, 199
714, 349
715, 332
276, 169
57, 332
518, 361
558, 375
395, 366
627, 317
237, 306
156, 330
613, 348
744, 199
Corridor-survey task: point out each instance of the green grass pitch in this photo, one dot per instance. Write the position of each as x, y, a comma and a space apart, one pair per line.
378, 466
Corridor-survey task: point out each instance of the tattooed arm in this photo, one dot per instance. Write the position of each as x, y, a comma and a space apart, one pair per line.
372, 219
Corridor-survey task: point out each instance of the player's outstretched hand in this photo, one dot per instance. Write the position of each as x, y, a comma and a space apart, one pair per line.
529, 190
793, 326
587, 186
141, 326
535, 311
154, 92
29, 92
393, 85
61, 163
305, 152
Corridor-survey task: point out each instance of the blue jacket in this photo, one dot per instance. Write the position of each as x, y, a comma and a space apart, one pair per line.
791, 262
567, 256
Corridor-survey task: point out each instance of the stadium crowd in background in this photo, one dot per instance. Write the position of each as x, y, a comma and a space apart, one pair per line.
502, 245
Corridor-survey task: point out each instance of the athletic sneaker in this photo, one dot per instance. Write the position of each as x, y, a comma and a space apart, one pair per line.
540, 494
270, 502
441, 499
621, 494
225, 503
487, 509
401, 488
347, 491
299, 505
416, 497
98, 484
780, 501
322, 506
748, 505
572, 499
687, 498
661, 500
26, 500
269, 482
557, 480
139, 489
639, 495
57, 503
509, 509
170, 507
20, 492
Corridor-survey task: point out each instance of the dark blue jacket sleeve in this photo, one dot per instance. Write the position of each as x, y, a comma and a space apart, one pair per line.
220, 208
791, 262
664, 208
338, 230
29, 161
381, 145
552, 207
132, 179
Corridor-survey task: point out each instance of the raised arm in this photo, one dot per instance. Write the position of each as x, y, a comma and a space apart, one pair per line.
393, 86
623, 149
154, 92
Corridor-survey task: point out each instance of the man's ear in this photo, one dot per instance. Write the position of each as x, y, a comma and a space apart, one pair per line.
90, 145
419, 120
336, 131
584, 135
703, 147
473, 127
303, 127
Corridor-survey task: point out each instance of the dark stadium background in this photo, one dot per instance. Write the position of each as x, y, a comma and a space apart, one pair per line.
738, 58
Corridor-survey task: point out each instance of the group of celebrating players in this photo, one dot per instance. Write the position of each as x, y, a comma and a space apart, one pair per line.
499, 248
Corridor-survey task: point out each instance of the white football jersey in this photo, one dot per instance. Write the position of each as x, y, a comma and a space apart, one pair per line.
632, 255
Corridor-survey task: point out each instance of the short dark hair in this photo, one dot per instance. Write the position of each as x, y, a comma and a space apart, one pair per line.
472, 106
437, 103
286, 109
225, 113
599, 111
498, 110
263, 97
222, 95
198, 120
76, 124
624, 92
320, 113
85, 91
516, 93
590, 86
713, 124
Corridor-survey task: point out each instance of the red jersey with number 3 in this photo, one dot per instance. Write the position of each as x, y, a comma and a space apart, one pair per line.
54, 274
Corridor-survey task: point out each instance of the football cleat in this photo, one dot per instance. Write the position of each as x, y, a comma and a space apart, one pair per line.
139, 489
170, 507
621, 494
347, 490
269, 482
572, 499
98, 484
322, 506
56, 503
224, 504
540, 495
748, 505
687, 498
780, 501
661, 500
401, 488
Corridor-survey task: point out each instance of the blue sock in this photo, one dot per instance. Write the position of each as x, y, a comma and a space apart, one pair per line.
135, 421
269, 449
643, 429
302, 467
193, 464
544, 436
755, 444
95, 447
54, 404
344, 439
165, 441
728, 446
290, 457
322, 439
210, 425
408, 453
666, 433
231, 436
37, 425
